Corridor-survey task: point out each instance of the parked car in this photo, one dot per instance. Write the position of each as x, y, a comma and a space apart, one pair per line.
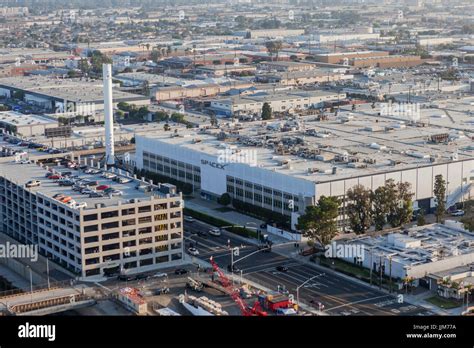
78, 187
96, 194
33, 183
458, 213
102, 187
180, 271
55, 177
90, 182
122, 180
87, 191
115, 193
109, 175
80, 205
65, 182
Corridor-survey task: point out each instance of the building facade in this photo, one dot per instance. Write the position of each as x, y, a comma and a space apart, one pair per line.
135, 235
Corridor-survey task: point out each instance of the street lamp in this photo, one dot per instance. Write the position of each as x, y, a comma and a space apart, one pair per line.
31, 283
298, 288
47, 271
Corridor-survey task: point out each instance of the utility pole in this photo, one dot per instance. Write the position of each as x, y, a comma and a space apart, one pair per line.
381, 272
371, 266
47, 271
390, 271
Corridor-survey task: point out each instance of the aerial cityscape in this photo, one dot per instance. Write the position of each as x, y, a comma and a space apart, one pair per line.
236, 158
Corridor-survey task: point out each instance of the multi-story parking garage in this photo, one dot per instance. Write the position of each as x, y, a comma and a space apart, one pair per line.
138, 230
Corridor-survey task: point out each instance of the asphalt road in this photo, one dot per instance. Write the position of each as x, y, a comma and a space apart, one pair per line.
339, 295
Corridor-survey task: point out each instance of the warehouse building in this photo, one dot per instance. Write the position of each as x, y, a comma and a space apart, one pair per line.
279, 102
139, 230
59, 96
340, 57
274, 163
26, 125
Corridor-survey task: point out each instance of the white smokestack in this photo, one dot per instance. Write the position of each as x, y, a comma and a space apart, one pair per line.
109, 115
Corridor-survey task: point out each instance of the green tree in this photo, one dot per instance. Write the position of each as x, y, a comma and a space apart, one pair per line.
273, 48
319, 221
440, 195
266, 112
420, 219
359, 208
224, 199
402, 210
160, 116
383, 199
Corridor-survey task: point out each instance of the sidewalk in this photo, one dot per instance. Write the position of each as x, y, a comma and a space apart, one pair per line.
233, 217
214, 209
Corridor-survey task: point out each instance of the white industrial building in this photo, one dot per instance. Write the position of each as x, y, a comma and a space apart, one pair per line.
270, 164
416, 252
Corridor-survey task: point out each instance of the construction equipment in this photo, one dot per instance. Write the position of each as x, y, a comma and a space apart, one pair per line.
256, 310
194, 285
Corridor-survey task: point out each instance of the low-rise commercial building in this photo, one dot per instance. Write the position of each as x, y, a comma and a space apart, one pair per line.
416, 253
386, 61
26, 125
279, 102
340, 57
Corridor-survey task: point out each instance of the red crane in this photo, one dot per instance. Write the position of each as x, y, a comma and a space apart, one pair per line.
235, 294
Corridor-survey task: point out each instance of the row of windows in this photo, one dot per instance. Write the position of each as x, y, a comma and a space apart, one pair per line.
158, 158
257, 199
129, 211
141, 263
172, 172
256, 188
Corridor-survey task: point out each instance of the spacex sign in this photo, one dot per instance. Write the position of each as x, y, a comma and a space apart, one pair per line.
213, 164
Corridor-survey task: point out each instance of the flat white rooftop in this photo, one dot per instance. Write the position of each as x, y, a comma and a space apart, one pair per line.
19, 119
